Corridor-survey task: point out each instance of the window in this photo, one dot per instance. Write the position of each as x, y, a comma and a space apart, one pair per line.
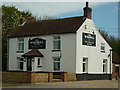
39, 63
103, 47
85, 65
104, 65
20, 44
56, 42
57, 64
21, 61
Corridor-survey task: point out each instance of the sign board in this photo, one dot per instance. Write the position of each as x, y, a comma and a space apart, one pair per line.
37, 43
89, 39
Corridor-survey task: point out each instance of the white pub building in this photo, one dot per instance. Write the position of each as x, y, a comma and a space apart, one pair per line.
72, 45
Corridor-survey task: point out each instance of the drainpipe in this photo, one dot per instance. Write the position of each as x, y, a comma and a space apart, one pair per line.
7, 67
110, 61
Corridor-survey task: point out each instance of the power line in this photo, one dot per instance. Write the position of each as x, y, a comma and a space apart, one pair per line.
113, 28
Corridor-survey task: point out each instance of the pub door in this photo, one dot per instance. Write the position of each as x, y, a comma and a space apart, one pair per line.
29, 63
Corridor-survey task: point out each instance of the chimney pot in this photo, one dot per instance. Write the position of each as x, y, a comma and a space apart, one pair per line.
22, 21
87, 11
86, 4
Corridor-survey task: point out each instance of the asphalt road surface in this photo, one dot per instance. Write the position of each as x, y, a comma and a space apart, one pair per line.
75, 84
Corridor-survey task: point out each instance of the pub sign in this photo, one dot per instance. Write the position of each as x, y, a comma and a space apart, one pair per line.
37, 43
89, 39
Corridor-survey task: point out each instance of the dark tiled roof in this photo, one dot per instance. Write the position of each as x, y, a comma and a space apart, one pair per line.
115, 58
46, 27
33, 53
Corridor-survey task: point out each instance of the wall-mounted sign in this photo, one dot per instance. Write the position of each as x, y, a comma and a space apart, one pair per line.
37, 43
89, 39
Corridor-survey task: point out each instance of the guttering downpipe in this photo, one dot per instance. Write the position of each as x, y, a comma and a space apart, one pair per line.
110, 61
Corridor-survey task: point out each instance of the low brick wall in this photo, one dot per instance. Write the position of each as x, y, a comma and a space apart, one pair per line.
25, 77
34, 77
16, 77
39, 77
65, 76
71, 77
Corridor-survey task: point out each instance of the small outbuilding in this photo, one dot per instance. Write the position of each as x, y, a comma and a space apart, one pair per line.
115, 66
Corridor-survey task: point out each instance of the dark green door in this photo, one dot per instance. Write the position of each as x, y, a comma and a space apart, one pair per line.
29, 64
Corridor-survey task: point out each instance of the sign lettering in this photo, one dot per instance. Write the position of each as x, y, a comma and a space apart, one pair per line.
37, 43
89, 39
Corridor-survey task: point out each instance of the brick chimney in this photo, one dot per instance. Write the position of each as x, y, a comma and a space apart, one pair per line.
87, 11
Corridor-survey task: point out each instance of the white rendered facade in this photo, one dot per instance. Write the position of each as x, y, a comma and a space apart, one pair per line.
71, 53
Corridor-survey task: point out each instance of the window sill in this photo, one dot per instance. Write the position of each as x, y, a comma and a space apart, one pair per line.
20, 51
102, 51
55, 50
39, 66
56, 69
20, 69
85, 73
104, 72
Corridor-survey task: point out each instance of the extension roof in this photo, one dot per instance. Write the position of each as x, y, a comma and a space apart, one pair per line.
46, 27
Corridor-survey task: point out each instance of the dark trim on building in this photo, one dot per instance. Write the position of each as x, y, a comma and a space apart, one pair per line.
82, 77
38, 35
20, 52
110, 59
55, 50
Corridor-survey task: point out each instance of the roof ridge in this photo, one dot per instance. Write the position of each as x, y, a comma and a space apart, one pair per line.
53, 26
54, 19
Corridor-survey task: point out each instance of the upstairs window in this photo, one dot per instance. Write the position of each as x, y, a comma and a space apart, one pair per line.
103, 47
56, 42
20, 44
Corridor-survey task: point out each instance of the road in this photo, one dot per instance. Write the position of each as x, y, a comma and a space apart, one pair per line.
75, 84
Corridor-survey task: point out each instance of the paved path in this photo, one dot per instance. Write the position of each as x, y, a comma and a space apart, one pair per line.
75, 84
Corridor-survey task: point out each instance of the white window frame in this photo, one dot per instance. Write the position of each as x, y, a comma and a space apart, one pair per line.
20, 44
102, 46
105, 66
56, 40
21, 61
86, 65
56, 62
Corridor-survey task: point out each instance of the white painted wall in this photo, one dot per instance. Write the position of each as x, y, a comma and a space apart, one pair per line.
13, 62
72, 52
94, 55
68, 60
67, 53
34, 64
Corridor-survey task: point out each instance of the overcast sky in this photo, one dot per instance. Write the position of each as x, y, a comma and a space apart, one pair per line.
104, 14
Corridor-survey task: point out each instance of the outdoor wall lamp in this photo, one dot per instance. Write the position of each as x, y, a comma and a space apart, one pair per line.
24, 60
32, 59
